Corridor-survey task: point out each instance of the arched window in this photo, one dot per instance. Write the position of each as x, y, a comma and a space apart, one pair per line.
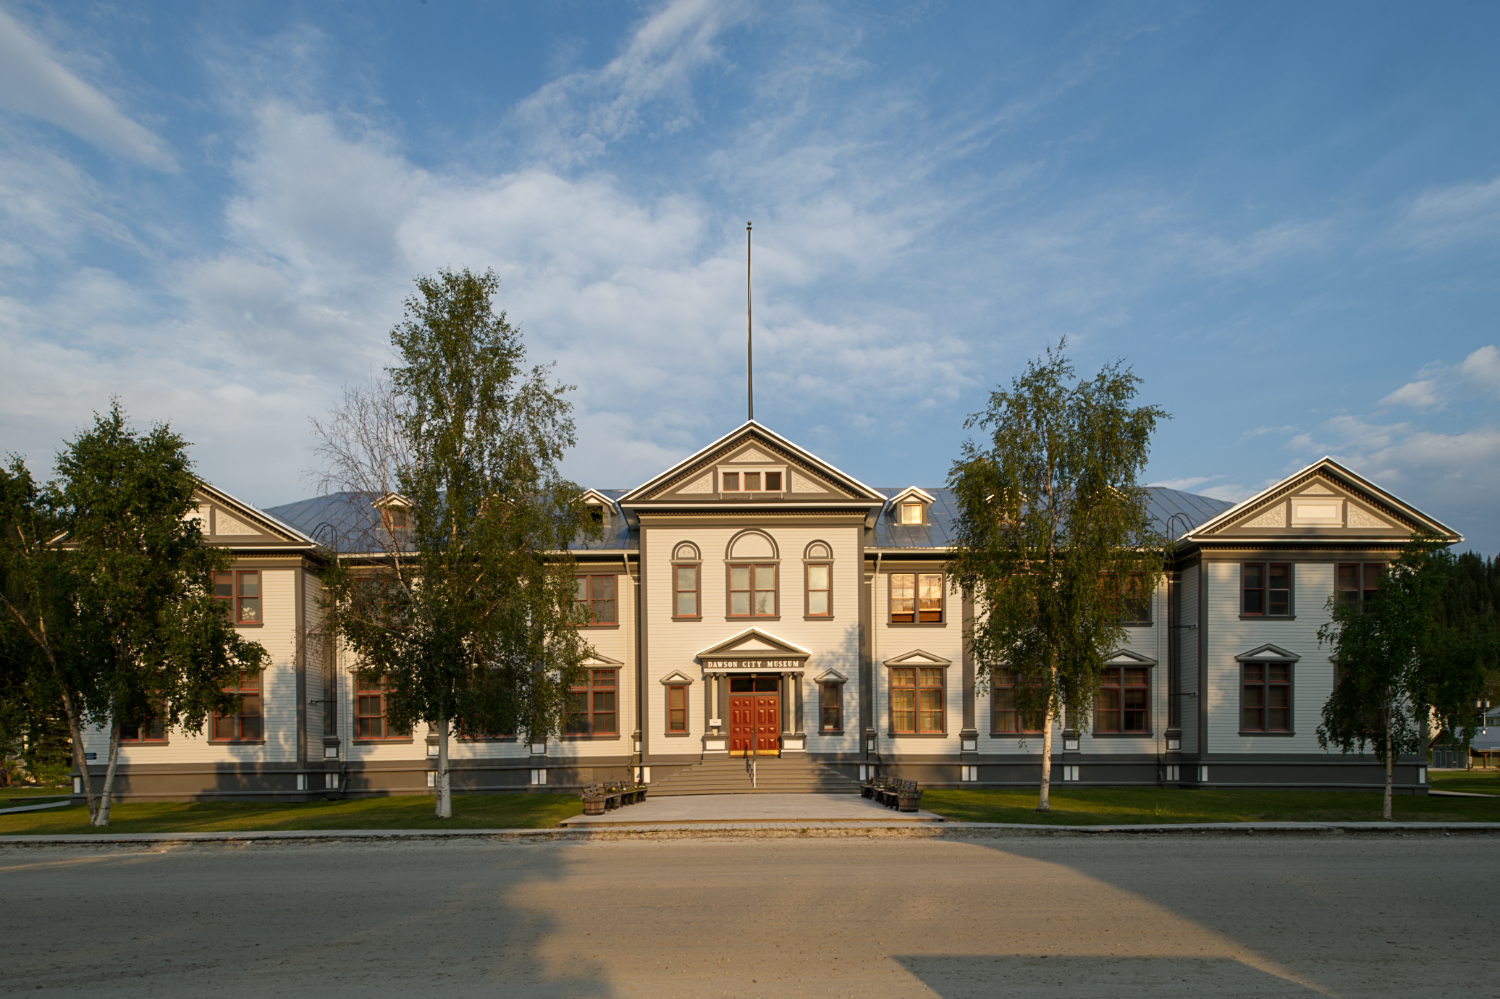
817, 572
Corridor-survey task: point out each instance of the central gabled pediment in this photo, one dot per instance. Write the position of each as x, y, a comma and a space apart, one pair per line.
752, 466
755, 647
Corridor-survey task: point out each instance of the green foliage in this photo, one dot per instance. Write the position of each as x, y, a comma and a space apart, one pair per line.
1051, 521
471, 623
106, 593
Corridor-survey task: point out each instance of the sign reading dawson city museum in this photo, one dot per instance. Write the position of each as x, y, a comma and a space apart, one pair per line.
768, 664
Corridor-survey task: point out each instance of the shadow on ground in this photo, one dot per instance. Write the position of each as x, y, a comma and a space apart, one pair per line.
1061, 977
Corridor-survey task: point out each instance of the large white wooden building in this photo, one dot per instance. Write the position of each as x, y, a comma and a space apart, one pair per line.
755, 599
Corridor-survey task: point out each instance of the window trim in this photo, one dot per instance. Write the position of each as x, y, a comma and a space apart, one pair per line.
837, 686
916, 574
1380, 569
687, 711
1265, 590
584, 573
890, 701
1150, 601
1265, 684
729, 566
697, 567
240, 688
1019, 732
1150, 687
382, 691
165, 734
588, 688
235, 601
739, 472
807, 590
909, 504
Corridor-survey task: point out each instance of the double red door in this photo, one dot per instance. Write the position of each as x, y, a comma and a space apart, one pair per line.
754, 716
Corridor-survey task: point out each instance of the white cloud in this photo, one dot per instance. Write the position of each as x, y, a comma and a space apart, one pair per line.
1185, 483
1439, 383
1442, 217
34, 83
1482, 369
1420, 395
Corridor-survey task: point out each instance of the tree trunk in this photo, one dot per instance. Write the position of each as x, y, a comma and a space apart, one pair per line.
101, 817
75, 731
1043, 804
1385, 811
444, 787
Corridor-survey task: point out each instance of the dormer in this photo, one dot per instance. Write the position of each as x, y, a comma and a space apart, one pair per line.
395, 512
912, 507
599, 506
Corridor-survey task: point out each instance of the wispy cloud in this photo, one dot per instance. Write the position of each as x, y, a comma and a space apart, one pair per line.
1438, 383
1443, 217
34, 83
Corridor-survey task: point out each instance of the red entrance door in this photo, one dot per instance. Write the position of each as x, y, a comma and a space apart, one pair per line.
754, 716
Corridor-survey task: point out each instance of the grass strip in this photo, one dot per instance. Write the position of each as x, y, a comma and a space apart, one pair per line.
1475, 781
477, 811
1145, 806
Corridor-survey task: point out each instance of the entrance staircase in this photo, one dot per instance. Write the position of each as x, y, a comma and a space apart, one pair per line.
774, 775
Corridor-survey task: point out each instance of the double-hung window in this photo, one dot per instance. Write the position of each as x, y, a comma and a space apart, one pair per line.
1265, 697
1266, 589
1008, 719
591, 708
830, 707
819, 589
246, 724
1135, 601
1122, 707
677, 709
239, 594
685, 591
145, 730
1358, 583
916, 597
918, 700
596, 595
752, 590
371, 703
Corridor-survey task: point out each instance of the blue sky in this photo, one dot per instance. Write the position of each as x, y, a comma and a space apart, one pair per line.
1286, 217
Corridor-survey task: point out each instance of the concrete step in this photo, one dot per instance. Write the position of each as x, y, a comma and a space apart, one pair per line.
774, 775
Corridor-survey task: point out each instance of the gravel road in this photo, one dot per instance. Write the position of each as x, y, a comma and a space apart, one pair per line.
1169, 916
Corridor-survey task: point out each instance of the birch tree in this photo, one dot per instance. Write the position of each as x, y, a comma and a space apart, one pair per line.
1401, 665
109, 588
469, 620
1053, 538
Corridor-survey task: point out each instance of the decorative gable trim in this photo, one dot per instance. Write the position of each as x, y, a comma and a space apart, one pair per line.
1124, 657
830, 676
918, 657
243, 520
599, 660
676, 678
1267, 653
754, 648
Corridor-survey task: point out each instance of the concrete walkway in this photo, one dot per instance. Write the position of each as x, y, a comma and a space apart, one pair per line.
715, 809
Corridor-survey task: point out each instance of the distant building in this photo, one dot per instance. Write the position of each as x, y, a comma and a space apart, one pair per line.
755, 599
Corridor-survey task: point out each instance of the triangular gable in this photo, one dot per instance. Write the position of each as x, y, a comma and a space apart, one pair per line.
593, 497
913, 492
1267, 653
1124, 657
228, 521
917, 657
1325, 499
830, 676
601, 660
754, 644
806, 478
676, 678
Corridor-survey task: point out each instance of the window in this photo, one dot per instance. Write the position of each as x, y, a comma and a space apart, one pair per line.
830, 707
246, 725
917, 700
1007, 716
147, 730
1359, 583
395, 518
239, 593
1136, 601
752, 590
1266, 697
916, 597
1266, 589
597, 595
370, 705
730, 482
591, 705
749, 482
819, 590
911, 513
1122, 704
677, 721
685, 599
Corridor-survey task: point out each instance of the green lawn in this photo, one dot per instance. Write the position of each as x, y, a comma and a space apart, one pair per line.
1479, 781
1116, 806
479, 811
10, 796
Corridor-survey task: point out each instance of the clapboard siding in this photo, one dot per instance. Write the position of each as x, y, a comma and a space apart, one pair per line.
945, 640
1229, 636
1187, 651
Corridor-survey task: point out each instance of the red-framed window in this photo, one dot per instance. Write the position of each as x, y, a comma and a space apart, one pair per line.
1265, 697
596, 594
592, 707
1135, 600
685, 591
752, 590
677, 716
1007, 718
145, 730
918, 700
749, 482
819, 589
1123, 704
246, 725
239, 595
1358, 583
371, 705
831, 707
1266, 589
916, 597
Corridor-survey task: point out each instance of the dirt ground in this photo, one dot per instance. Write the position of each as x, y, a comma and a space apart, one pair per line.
1164, 916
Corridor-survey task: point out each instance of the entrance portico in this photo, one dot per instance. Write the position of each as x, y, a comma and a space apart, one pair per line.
753, 696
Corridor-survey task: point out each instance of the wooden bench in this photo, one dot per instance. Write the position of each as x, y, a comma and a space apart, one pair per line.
903, 795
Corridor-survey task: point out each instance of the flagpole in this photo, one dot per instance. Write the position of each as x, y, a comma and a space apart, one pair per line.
749, 355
